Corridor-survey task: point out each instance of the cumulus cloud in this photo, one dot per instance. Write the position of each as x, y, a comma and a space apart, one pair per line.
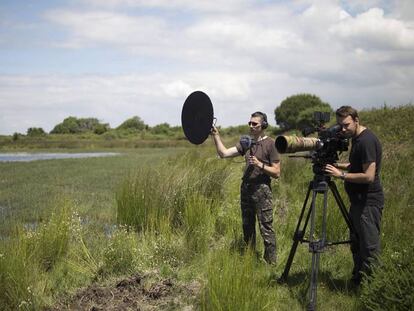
155, 98
107, 28
247, 55
372, 30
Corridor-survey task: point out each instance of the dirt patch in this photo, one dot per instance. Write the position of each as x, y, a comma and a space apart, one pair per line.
138, 292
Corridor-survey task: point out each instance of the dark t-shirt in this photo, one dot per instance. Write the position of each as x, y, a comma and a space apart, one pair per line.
366, 148
265, 151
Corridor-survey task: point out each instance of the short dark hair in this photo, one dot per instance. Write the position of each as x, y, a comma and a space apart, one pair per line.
345, 111
263, 116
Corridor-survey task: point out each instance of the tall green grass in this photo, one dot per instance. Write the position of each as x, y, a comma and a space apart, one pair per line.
152, 198
199, 223
235, 282
27, 259
180, 215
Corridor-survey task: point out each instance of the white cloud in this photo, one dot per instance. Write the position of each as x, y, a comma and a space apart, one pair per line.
177, 88
373, 30
119, 30
155, 98
228, 6
246, 55
242, 35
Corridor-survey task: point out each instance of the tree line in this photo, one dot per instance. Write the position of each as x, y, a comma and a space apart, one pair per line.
294, 112
73, 125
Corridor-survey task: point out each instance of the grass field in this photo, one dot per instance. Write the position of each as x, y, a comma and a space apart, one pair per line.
30, 190
174, 213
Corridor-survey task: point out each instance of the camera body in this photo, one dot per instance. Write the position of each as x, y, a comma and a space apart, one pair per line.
330, 143
324, 149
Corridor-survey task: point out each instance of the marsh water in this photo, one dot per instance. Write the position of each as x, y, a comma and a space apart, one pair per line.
26, 157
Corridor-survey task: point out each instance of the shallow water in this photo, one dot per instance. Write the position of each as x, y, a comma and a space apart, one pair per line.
27, 157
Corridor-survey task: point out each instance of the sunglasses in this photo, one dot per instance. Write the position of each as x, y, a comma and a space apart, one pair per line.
253, 123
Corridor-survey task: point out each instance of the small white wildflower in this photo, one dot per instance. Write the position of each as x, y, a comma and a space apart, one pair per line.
22, 304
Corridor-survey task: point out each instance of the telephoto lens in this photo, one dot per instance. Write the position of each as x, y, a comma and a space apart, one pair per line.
291, 144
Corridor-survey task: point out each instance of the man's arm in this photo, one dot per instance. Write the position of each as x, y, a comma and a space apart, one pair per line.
273, 170
366, 177
222, 151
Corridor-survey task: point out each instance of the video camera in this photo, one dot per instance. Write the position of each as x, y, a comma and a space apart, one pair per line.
324, 149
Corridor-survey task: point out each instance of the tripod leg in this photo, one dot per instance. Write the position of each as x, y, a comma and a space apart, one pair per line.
317, 246
314, 282
342, 207
297, 236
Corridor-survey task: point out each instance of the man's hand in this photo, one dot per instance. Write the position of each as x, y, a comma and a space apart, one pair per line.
332, 170
254, 161
273, 170
214, 131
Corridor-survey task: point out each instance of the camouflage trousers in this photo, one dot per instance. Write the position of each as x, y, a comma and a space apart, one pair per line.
256, 201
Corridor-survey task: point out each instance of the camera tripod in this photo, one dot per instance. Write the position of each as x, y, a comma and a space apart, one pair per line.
319, 185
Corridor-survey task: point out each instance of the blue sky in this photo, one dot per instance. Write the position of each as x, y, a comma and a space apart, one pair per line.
115, 59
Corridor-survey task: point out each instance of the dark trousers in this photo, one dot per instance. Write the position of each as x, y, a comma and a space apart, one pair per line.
366, 220
256, 201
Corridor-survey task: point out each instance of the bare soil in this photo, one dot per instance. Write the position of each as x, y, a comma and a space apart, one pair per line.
138, 292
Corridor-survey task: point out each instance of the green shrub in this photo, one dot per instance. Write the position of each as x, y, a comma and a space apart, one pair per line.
391, 285
134, 123
50, 243
16, 136
72, 125
35, 131
120, 256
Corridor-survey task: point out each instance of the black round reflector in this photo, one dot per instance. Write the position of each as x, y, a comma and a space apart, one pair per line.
197, 117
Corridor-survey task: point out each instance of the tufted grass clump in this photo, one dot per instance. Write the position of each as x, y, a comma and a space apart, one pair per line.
236, 282
200, 216
25, 260
155, 197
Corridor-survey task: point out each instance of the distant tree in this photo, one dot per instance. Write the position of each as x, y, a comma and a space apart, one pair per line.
35, 131
101, 128
68, 126
161, 129
296, 112
16, 136
88, 124
73, 125
134, 123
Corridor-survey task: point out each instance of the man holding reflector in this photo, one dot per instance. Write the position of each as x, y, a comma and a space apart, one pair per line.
262, 163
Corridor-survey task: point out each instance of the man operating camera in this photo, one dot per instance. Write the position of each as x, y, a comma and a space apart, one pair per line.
362, 184
262, 163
